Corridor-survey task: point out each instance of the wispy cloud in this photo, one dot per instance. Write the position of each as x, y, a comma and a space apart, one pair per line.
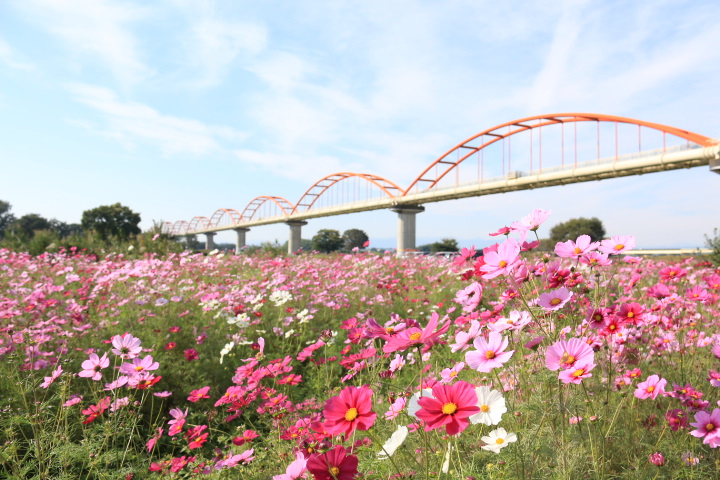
132, 123
10, 58
99, 29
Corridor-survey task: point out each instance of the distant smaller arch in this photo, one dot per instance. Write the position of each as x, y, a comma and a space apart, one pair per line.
252, 208
313, 193
199, 223
179, 228
228, 215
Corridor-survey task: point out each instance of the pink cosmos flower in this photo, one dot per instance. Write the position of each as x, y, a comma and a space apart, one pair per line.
576, 374
199, 394
469, 297
295, 470
397, 406
464, 339
707, 427
191, 354
53, 376
568, 354
449, 375
577, 249
501, 261
595, 259
489, 353
450, 405
555, 299
651, 387
93, 366
617, 244
530, 222
350, 410
414, 336
126, 346
139, 365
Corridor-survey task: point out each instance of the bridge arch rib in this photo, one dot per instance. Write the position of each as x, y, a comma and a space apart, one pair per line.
179, 228
198, 223
253, 207
451, 159
226, 215
313, 194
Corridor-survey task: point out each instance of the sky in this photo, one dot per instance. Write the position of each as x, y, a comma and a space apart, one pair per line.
176, 108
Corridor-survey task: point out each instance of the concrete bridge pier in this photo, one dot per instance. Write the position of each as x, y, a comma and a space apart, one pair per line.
209, 244
406, 227
188, 241
295, 240
240, 242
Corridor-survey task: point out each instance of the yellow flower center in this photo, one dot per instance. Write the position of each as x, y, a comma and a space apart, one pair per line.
631, 314
334, 471
389, 330
449, 408
650, 389
619, 246
415, 336
500, 441
138, 368
555, 301
351, 414
710, 427
484, 408
502, 264
578, 373
489, 354
577, 251
567, 359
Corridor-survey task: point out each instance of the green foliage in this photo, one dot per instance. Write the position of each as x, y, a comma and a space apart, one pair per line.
354, 238
6, 218
327, 240
112, 221
575, 227
444, 245
713, 243
28, 224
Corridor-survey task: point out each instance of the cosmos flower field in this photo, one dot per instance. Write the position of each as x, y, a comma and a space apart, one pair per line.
584, 362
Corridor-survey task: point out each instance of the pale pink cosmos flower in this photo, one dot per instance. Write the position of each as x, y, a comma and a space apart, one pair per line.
580, 247
651, 387
397, 363
295, 470
617, 244
567, 354
555, 299
126, 346
74, 400
515, 321
92, 367
595, 259
490, 353
397, 406
138, 365
469, 297
530, 222
576, 374
464, 339
707, 427
448, 375
501, 261
53, 376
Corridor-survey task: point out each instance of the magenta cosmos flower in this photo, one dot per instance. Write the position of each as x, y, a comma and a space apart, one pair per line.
555, 299
450, 405
414, 336
489, 353
350, 410
335, 464
567, 354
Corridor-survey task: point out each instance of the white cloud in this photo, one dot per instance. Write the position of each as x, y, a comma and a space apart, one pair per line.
97, 28
132, 123
10, 58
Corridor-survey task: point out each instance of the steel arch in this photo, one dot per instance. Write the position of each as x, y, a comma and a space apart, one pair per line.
202, 222
233, 215
522, 125
166, 228
321, 186
252, 207
180, 227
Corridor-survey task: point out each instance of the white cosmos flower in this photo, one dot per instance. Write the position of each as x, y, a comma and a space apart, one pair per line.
395, 440
492, 406
498, 439
413, 406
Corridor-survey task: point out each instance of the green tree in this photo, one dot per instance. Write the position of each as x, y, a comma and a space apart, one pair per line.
444, 245
713, 243
6, 218
111, 221
31, 223
354, 238
327, 240
64, 229
575, 227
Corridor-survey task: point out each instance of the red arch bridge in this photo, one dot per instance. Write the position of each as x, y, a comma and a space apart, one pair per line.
528, 153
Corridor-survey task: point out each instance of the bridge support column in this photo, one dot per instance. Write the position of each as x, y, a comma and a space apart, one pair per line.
406, 227
295, 240
209, 244
188, 241
240, 242
715, 165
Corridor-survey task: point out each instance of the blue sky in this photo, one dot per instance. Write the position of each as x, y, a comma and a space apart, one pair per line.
176, 108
